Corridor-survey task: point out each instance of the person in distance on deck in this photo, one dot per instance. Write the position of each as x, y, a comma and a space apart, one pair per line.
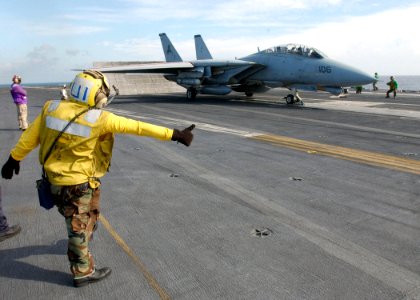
63, 93
19, 96
375, 88
79, 158
393, 86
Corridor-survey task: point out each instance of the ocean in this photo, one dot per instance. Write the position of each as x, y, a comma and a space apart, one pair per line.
39, 84
405, 83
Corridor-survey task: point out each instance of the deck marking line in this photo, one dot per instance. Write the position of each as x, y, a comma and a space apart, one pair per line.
362, 156
149, 277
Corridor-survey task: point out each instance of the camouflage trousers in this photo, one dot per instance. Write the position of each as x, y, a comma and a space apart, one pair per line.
79, 204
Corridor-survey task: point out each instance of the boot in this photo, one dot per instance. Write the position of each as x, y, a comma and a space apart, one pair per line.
9, 232
97, 275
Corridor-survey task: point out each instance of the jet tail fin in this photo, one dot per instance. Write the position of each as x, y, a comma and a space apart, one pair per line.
171, 55
201, 50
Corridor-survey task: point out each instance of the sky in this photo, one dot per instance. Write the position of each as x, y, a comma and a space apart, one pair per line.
45, 40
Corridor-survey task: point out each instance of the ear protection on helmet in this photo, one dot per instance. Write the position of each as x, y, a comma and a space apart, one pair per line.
89, 87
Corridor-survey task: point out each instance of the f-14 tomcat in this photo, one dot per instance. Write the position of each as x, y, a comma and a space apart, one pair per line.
292, 66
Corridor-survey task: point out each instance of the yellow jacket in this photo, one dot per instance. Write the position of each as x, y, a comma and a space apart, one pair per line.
84, 151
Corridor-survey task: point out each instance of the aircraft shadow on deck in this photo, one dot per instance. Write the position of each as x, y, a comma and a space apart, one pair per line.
230, 100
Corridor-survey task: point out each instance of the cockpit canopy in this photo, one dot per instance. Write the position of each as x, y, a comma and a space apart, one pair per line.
296, 49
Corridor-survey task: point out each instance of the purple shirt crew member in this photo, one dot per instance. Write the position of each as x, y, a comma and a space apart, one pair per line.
21, 101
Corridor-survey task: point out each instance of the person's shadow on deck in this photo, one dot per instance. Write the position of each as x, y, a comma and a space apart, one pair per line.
12, 267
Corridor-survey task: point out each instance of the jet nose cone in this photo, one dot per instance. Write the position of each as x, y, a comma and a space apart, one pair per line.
350, 76
363, 77
356, 77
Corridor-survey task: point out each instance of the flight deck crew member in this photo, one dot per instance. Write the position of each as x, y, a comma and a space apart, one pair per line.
393, 86
80, 157
63, 93
20, 98
375, 88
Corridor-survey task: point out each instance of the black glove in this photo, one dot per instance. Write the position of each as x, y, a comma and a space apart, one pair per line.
9, 167
185, 136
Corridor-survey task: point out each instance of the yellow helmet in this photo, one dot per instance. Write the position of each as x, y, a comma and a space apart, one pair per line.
89, 87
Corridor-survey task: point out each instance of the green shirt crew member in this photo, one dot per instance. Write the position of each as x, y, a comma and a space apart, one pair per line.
393, 86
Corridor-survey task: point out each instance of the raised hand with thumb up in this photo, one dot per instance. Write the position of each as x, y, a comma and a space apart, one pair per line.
185, 136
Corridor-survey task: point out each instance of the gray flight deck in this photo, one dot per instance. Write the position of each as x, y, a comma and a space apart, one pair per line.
269, 202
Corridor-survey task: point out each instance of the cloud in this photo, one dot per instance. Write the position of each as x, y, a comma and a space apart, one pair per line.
42, 63
221, 13
44, 54
94, 14
137, 48
60, 29
375, 36
76, 52
374, 42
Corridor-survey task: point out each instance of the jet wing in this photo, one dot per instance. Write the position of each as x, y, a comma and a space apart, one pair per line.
159, 68
216, 71
173, 68
226, 71
222, 64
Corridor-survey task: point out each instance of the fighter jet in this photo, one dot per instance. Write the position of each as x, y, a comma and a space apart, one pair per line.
292, 66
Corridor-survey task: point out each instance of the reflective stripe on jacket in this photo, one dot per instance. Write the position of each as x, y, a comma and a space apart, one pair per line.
84, 151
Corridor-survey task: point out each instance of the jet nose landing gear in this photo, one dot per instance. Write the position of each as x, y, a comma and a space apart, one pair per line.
191, 93
294, 99
290, 99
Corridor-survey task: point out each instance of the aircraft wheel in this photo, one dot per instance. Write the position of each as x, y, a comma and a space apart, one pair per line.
249, 94
191, 93
290, 99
